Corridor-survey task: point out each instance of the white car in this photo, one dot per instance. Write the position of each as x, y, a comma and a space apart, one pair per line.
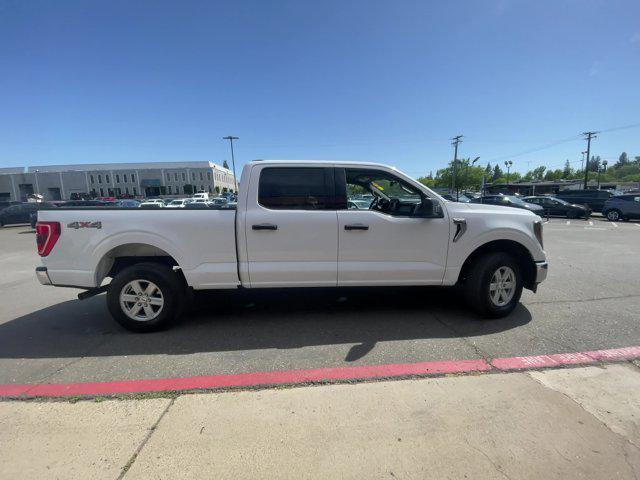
201, 196
292, 228
179, 203
154, 203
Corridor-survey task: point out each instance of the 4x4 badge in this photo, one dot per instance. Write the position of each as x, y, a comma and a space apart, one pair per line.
77, 225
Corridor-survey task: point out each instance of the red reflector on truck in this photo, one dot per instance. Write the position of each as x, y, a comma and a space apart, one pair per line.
47, 234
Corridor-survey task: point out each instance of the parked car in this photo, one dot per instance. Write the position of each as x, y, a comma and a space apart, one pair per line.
218, 201
21, 212
179, 202
33, 218
152, 203
128, 203
292, 228
622, 207
509, 201
594, 199
452, 198
358, 204
201, 196
7, 203
557, 207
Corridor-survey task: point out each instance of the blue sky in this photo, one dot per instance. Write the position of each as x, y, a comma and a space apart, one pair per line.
387, 81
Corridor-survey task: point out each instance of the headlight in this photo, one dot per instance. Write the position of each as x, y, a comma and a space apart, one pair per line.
537, 230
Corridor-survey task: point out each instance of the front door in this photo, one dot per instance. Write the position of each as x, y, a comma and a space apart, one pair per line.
291, 227
385, 244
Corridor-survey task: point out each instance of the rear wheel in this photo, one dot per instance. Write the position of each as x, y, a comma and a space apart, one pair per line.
494, 285
146, 297
614, 215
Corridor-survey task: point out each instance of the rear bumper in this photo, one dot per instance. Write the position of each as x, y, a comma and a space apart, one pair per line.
541, 271
43, 276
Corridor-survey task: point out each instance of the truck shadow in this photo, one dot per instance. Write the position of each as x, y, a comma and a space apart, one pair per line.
253, 320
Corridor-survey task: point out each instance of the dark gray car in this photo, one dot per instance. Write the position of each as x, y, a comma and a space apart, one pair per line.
509, 201
622, 207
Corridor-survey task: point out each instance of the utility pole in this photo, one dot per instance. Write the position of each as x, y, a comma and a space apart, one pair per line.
233, 160
455, 141
588, 137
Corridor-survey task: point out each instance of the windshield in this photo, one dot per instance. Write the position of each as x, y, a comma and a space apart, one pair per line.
177, 202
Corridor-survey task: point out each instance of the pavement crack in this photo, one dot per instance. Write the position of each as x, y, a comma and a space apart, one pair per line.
464, 338
497, 467
127, 466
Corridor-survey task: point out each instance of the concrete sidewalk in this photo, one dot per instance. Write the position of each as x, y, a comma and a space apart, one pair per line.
561, 423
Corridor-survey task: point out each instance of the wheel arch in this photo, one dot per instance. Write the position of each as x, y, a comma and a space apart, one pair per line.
125, 255
517, 250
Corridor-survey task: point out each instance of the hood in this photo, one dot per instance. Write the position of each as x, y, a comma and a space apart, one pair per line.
462, 208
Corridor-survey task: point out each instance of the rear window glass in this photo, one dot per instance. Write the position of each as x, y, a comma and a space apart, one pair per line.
291, 188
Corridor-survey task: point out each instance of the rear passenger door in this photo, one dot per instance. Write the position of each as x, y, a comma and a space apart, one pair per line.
291, 227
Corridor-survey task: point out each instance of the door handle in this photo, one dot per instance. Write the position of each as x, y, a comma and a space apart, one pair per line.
356, 226
264, 226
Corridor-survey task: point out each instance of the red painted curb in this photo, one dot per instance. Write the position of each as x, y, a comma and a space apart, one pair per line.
242, 379
557, 359
314, 375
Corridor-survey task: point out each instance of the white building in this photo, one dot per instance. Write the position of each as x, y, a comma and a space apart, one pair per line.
60, 182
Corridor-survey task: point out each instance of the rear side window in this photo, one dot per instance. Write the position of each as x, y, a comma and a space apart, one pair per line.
296, 188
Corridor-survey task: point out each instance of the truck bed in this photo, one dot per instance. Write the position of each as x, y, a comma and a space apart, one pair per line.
202, 242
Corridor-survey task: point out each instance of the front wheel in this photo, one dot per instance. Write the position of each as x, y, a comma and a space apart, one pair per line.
146, 297
613, 215
494, 285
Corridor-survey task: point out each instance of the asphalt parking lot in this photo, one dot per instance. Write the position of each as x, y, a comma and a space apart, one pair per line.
590, 301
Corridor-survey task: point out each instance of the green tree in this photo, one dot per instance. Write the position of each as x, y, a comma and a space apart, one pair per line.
497, 173
568, 171
623, 160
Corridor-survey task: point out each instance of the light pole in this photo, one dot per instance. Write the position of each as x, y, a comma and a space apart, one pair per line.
233, 160
508, 164
473, 162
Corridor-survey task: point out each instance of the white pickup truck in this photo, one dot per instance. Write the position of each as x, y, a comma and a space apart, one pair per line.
293, 228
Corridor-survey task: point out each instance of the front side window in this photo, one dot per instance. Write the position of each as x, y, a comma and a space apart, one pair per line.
381, 191
293, 188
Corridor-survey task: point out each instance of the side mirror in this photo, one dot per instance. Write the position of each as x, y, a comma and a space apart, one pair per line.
427, 209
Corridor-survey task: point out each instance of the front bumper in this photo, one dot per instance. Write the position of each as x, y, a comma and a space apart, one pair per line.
43, 276
541, 271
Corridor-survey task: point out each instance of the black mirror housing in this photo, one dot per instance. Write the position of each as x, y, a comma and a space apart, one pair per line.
428, 209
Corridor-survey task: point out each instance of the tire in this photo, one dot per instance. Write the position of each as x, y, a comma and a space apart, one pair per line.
614, 215
162, 295
478, 285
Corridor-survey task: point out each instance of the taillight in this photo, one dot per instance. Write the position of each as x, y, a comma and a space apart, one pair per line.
47, 234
